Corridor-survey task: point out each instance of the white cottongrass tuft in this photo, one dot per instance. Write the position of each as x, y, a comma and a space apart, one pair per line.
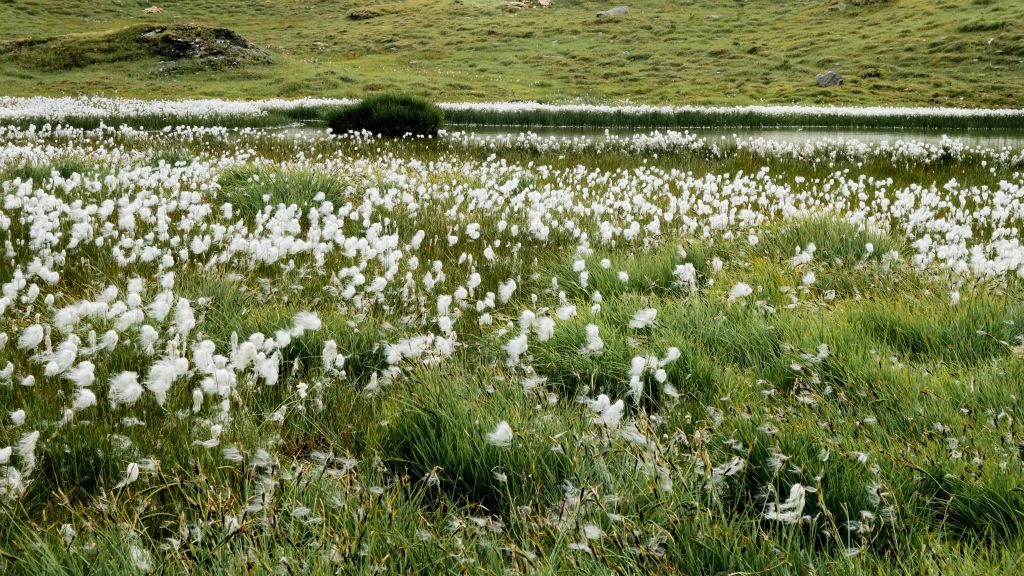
643, 318
806, 255
790, 511
740, 290
515, 348
245, 355
505, 290
197, 400
231, 454
686, 275
68, 533
333, 361
124, 389
730, 468
304, 321
269, 369
214, 440
162, 374
566, 312
31, 337
11, 485
131, 474
526, 319
609, 414
83, 375
184, 318
18, 417
62, 358
148, 337
26, 450
502, 435
544, 328
142, 558
84, 398
594, 345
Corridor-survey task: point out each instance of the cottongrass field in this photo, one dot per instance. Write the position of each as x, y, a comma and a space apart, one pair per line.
256, 351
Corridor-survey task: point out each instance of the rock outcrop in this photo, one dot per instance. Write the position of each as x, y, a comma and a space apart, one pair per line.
829, 79
611, 12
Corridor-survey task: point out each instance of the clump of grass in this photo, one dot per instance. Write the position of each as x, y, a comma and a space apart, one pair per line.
250, 189
392, 115
440, 437
835, 241
38, 172
364, 13
777, 462
976, 330
981, 26
991, 506
570, 372
172, 156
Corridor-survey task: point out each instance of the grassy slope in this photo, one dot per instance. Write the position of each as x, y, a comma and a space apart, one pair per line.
906, 52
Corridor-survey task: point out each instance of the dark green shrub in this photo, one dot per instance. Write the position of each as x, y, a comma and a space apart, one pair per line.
389, 115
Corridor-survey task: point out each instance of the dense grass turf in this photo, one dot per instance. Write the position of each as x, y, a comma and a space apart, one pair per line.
899, 52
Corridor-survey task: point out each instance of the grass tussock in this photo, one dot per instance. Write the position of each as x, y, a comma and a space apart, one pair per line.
391, 115
251, 190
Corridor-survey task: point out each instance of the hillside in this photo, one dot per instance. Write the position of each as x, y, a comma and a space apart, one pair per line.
895, 52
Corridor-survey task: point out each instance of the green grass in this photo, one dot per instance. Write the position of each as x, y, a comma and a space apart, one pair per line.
905, 52
251, 190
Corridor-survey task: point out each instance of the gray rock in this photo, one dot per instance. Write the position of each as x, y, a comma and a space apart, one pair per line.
617, 11
838, 7
829, 78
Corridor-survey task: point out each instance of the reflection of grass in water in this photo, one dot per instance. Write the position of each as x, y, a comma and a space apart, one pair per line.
740, 119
